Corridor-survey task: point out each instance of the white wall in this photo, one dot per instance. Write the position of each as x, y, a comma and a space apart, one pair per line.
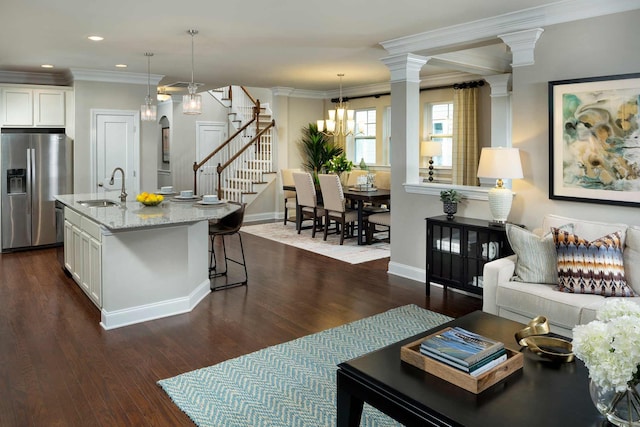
601, 46
596, 47
113, 96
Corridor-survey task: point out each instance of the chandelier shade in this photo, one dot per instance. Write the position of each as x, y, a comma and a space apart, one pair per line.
341, 120
192, 102
148, 110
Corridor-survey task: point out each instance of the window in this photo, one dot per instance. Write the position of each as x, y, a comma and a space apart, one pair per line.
364, 146
439, 125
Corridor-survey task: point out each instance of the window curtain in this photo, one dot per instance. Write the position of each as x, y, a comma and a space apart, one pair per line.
465, 135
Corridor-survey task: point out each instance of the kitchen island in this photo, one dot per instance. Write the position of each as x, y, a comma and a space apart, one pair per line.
139, 263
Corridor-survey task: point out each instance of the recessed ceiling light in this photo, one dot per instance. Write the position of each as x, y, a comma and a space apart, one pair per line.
96, 38
121, 65
47, 66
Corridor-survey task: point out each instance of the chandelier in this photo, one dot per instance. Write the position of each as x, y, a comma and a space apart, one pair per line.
341, 120
192, 102
148, 110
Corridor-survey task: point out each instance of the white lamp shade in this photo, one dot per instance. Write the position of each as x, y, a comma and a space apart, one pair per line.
500, 163
430, 148
320, 125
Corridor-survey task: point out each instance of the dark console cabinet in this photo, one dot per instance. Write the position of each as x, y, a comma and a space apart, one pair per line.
458, 249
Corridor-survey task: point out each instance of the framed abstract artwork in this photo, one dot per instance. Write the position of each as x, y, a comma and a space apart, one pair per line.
594, 140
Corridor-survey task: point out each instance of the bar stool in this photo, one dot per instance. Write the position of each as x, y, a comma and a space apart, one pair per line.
227, 226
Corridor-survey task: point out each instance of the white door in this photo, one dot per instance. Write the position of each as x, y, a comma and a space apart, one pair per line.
115, 143
209, 135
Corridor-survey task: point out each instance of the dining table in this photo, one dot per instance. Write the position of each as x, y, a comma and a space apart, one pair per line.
360, 197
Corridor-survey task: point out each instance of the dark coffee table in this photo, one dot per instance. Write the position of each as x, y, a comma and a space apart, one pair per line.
541, 394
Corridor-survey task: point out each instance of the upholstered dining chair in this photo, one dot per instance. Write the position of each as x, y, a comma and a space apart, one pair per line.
227, 226
352, 179
289, 195
335, 206
378, 219
383, 180
308, 201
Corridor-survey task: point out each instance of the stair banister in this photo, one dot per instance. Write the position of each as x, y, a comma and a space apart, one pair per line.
197, 165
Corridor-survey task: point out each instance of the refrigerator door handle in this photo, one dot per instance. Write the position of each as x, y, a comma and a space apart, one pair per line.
31, 155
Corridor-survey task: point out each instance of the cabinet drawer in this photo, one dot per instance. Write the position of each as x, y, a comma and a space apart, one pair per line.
73, 217
91, 228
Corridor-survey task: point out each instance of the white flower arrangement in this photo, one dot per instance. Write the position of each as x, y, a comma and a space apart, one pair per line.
610, 345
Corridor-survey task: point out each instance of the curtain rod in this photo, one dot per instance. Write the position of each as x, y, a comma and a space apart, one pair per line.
476, 83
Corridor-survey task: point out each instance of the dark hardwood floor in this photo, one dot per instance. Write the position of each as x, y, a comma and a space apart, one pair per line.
58, 367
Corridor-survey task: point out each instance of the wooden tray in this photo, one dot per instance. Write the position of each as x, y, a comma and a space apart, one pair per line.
410, 353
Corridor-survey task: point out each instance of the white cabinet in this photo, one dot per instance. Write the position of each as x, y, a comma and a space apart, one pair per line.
83, 253
27, 107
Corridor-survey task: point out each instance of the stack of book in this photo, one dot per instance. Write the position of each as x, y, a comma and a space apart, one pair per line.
464, 350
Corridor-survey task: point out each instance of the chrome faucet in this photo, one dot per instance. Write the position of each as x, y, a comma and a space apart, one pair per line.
123, 193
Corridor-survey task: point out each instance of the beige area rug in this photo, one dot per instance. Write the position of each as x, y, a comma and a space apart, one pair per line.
349, 252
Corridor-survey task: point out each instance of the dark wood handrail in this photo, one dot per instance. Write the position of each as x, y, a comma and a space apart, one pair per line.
197, 165
220, 168
246, 92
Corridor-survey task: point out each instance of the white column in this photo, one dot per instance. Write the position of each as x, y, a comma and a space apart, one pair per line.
280, 136
500, 117
405, 117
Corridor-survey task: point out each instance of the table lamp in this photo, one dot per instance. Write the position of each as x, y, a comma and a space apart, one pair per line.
430, 149
499, 163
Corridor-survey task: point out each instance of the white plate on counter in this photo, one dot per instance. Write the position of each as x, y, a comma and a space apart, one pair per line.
186, 199
217, 202
165, 193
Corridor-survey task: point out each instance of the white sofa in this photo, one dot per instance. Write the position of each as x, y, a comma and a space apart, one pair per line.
506, 295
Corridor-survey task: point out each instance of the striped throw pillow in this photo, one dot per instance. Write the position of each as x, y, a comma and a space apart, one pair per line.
594, 267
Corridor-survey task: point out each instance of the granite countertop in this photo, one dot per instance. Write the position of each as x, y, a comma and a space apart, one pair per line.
132, 214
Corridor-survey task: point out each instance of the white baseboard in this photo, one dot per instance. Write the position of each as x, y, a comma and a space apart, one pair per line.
407, 271
143, 313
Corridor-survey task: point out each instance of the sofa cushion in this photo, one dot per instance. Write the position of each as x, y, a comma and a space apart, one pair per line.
535, 299
631, 255
591, 267
589, 230
537, 261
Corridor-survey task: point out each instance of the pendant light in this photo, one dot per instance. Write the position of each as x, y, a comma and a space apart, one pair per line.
192, 102
148, 111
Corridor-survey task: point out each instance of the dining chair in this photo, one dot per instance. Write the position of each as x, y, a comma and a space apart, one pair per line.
352, 179
308, 201
335, 206
227, 226
382, 219
382, 181
289, 195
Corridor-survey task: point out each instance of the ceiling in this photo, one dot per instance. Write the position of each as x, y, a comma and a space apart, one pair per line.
277, 43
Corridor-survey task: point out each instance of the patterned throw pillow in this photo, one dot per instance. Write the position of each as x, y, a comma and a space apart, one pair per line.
594, 267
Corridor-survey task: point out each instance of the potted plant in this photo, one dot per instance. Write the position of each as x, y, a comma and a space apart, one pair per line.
450, 199
317, 149
339, 164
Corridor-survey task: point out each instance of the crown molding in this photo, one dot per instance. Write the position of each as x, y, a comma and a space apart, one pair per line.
461, 36
82, 74
471, 62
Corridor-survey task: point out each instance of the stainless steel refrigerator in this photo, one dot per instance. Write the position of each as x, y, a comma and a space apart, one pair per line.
36, 165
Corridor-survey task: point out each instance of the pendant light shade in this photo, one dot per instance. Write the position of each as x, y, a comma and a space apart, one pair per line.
148, 110
192, 102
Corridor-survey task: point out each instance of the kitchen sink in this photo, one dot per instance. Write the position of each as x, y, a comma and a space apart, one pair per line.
98, 203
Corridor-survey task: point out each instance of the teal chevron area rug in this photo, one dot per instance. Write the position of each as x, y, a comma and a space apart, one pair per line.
292, 384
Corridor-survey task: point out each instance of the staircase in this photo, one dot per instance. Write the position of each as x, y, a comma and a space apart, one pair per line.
242, 167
